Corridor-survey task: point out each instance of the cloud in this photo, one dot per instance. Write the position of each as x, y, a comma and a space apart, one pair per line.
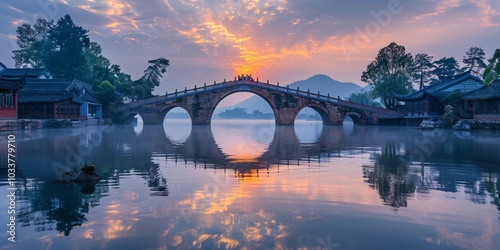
250, 36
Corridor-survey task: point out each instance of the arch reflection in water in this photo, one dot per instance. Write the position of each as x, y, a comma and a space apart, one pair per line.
308, 131
138, 125
177, 130
243, 141
259, 144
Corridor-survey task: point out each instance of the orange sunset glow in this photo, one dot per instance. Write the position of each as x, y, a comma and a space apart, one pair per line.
280, 40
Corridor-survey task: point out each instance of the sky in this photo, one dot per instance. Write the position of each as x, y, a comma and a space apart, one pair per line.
276, 40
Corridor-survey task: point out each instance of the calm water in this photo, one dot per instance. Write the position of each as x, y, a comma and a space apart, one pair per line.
251, 185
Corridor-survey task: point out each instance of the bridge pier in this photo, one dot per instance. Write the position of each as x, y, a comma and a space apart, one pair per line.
285, 116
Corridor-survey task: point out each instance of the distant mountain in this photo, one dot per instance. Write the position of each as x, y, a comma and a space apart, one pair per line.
322, 83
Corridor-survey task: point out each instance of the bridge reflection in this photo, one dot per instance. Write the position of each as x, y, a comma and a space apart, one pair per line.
201, 148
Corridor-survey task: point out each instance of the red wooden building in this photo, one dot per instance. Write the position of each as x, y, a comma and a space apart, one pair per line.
58, 99
8, 97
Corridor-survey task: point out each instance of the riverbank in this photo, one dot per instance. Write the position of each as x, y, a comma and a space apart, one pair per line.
469, 124
23, 124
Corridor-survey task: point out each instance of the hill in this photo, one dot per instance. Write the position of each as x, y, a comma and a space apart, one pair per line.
322, 83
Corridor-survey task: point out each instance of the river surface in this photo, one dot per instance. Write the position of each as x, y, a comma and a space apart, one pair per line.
251, 185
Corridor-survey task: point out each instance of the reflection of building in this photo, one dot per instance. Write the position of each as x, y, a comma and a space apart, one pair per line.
485, 102
429, 101
58, 99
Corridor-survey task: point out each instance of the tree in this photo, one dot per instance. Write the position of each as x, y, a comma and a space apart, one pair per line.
97, 67
474, 60
31, 40
64, 54
363, 97
445, 67
105, 92
449, 116
422, 69
492, 72
152, 75
389, 73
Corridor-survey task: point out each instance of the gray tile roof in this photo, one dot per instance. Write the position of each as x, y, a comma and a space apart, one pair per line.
9, 84
56, 90
464, 82
30, 73
487, 92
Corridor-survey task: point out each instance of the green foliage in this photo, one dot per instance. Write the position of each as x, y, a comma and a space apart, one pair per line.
138, 91
363, 98
390, 73
31, 40
64, 52
445, 67
449, 116
105, 92
492, 72
151, 77
474, 60
97, 67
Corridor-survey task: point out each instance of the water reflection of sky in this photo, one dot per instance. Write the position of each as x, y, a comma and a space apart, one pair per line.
342, 191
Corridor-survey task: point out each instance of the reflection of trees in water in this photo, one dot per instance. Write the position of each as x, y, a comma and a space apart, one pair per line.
62, 205
492, 185
396, 179
391, 176
156, 181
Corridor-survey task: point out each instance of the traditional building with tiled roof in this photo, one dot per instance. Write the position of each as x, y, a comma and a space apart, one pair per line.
58, 99
2, 67
29, 73
8, 97
6, 72
427, 103
485, 102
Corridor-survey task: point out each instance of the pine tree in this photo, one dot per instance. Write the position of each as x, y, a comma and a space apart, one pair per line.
65, 51
445, 67
422, 69
474, 61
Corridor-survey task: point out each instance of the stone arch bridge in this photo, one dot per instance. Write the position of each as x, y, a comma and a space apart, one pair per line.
286, 103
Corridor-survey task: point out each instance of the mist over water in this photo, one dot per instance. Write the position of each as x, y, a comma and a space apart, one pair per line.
249, 184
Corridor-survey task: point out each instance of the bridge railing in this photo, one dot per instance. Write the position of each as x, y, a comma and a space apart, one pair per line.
334, 100
295, 91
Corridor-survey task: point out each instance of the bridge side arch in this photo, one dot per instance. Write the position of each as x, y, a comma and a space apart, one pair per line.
323, 113
164, 111
355, 117
127, 118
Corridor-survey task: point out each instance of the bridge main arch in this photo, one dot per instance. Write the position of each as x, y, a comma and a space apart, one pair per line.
229, 93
